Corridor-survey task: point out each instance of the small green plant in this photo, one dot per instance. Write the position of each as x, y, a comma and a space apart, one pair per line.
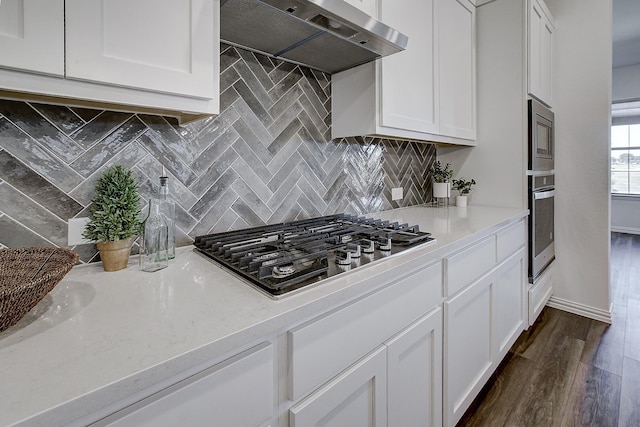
463, 186
115, 208
441, 174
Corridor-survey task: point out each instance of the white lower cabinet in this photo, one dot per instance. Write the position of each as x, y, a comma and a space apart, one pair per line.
236, 393
355, 398
467, 354
414, 369
483, 315
509, 303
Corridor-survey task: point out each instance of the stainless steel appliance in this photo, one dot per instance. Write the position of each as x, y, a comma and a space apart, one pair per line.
541, 137
283, 258
328, 35
541, 224
541, 182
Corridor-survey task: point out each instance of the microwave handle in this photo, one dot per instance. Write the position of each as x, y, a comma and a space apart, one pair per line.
538, 195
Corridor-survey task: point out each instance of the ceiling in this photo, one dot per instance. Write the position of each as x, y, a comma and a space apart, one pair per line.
626, 32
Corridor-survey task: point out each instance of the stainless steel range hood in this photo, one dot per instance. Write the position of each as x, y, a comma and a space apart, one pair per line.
328, 35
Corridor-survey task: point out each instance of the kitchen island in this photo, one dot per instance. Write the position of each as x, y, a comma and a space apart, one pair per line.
100, 342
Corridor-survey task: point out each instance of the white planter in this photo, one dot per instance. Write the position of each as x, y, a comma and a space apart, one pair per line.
461, 201
441, 189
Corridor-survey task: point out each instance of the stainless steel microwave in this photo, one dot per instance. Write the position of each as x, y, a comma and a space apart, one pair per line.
541, 138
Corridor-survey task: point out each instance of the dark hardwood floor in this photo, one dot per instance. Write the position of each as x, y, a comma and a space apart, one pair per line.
567, 370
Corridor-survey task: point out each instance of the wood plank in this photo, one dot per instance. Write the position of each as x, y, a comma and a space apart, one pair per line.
547, 389
604, 347
632, 334
630, 393
502, 394
532, 342
594, 399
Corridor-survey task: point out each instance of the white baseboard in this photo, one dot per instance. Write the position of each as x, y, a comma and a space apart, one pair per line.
581, 309
627, 230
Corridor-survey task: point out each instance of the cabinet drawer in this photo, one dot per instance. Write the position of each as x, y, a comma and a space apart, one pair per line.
510, 239
540, 293
212, 394
322, 348
469, 264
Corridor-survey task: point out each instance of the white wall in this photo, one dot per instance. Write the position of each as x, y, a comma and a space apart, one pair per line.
626, 83
499, 160
582, 105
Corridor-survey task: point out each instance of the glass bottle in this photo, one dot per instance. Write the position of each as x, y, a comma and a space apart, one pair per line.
155, 254
168, 211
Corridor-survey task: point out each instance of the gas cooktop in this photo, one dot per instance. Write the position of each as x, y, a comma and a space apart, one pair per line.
282, 258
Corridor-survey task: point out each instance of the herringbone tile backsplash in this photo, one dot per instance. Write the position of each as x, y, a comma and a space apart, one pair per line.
267, 158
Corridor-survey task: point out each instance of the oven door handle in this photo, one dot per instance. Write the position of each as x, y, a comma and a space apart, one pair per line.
538, 195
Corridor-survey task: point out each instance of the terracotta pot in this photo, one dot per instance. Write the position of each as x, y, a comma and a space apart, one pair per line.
115, 255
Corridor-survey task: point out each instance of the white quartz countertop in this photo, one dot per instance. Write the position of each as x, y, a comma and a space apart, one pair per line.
101, 337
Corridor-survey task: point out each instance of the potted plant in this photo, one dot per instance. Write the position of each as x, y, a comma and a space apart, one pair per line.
441, 177
114, 217
464, 188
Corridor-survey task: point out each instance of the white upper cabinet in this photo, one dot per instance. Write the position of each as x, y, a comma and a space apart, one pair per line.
367, 6
541, 29
32, 35
109, 42
153, 56
426, 92
457, 54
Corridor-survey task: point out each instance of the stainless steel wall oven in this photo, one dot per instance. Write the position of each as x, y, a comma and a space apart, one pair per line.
541, 188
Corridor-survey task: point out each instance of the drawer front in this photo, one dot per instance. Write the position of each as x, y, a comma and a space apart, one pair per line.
322, 348
510, 239
469, 264
540, 293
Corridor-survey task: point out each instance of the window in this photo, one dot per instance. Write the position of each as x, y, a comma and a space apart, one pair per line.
625, 159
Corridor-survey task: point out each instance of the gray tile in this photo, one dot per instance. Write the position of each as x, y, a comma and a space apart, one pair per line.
249, 176
32, 216
316, 119
101, 126
228, 97
86, 114
251, 121
23, 147
213, 152
217, 169
228, 78
282, 210
108, 147
286, 103
311, 189
215, 212
62, 117
287, 134
283, 156
252, 102
228, 56
247, 214
284, 85
170, 139
257, 89
308, 207
250, 146
251, 199
313, 96
281, 71
256, 68
215, 192
40, 129
36, 187
88, 252
152, 168
287, 169
15, 235
172, 161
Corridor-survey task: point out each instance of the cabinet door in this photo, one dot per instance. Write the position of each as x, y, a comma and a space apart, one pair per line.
467, 346
355, 398
157, 45
540, 51
367, 6
509, 304
409, 79
32, 35
457, 68
236, 393
414, 374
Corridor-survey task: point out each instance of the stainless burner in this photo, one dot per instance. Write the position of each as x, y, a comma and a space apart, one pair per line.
282, 258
